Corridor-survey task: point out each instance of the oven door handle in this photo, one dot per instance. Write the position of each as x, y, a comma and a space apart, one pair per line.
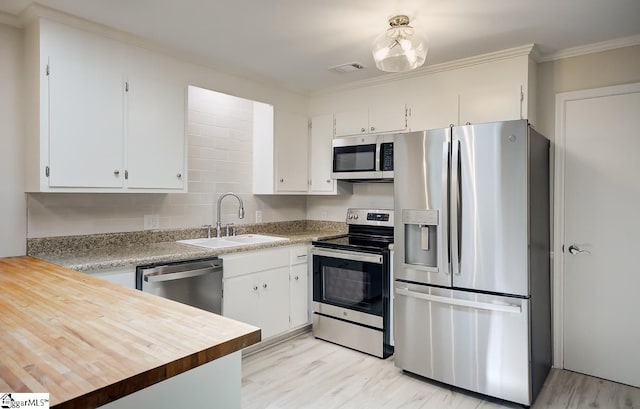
347, 255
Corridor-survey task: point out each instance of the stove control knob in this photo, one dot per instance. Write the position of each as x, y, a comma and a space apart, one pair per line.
355, 216
349, 216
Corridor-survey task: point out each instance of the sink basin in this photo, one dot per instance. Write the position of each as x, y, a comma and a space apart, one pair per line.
230, 241
254, 238
212, 243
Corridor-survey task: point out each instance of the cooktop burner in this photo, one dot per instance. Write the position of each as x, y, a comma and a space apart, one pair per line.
369, 231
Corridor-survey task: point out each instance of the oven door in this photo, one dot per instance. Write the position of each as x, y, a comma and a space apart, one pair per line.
349, 280
356, 157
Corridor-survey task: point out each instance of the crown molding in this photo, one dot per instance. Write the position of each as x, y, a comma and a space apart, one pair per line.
431, 69
591, 48
10, 20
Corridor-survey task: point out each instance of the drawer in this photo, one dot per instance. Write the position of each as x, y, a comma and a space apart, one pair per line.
246, 262
299, 254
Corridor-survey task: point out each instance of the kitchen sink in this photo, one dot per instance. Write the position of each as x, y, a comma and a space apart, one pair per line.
254, 238
231, 241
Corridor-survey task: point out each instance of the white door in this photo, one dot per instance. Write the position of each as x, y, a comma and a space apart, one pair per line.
601, 135
320, 161
291, 146
299, 295
274, 301
354, 122
155, 134
86, 126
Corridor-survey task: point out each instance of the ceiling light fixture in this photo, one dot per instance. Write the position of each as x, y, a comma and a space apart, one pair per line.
400, 48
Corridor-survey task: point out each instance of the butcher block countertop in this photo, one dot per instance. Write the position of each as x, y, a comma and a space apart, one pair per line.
88, 342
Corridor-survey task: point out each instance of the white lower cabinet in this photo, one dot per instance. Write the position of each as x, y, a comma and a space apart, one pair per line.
299, 291
261, 289
259, 299
125, 276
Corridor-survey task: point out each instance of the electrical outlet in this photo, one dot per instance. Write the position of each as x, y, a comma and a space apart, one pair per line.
147, 221
258, 216
151, 221
324, 215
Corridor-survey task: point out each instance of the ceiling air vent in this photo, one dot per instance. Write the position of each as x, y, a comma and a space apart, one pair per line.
348, 67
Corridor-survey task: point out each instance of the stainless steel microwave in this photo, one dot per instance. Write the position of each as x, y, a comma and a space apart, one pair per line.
363, 157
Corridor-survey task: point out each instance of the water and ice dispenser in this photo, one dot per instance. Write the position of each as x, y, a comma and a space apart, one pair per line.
421, 238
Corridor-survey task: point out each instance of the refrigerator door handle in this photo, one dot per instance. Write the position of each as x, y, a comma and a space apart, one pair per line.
516, 309
444, 222
456, 207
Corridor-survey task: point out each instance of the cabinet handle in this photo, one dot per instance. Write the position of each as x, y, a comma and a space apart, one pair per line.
264, 285
179, 175
281, 180
126, 174
255, 288
363, 130
468, 123
373, 128
328, 180
297, 278
116, 172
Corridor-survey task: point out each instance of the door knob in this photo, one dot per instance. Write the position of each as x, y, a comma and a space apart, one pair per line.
573, 249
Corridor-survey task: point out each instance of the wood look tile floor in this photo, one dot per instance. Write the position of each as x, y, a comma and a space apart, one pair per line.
308, 373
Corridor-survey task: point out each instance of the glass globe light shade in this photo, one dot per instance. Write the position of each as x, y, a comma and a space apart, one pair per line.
400, 48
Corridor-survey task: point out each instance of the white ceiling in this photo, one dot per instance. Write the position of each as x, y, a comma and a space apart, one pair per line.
293, 42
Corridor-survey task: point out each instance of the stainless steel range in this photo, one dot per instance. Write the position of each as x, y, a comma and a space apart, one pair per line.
351, 284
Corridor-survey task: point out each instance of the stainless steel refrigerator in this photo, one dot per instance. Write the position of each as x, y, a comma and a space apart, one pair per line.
471, 266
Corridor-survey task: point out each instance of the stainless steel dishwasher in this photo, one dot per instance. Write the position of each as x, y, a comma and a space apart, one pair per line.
196, 282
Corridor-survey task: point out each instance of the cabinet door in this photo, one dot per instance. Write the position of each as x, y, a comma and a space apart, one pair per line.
480, 104
291, 146
320, 155
387, 118
299, 295
274, 301
437, 107
86, 125
497, 96
352, 122
155, 134
241, 299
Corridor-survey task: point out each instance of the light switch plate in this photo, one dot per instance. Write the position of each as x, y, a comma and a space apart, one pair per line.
258, 216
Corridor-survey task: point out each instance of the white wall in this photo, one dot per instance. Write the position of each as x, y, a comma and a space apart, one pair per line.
603, 69
220, 149
334, 208
12, 203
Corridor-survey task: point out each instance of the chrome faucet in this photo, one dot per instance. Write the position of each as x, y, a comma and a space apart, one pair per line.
240, 211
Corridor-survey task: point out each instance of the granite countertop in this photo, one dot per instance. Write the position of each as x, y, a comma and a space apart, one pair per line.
88, 342
87, 253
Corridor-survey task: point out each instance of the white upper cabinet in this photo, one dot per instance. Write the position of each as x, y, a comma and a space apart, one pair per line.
437, 107
385, 118
494, 91
352, 122
320, 155
287, 158
377, 118
498, 86
91, 134
155, 148
85, 112
291, 149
